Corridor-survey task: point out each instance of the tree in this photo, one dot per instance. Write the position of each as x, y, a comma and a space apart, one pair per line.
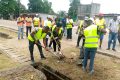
73, 8
10, 7
62, 13
40, 6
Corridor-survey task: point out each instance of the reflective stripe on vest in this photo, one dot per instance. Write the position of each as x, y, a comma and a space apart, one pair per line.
91, 37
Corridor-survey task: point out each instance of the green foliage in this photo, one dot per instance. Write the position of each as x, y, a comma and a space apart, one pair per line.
62, 14
10, 7
73, 10
40, 6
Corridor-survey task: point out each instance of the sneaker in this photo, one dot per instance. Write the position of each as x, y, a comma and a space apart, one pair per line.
83, 68
91, 72
60, 53
114, 49
108, 49
32, 62
43, 58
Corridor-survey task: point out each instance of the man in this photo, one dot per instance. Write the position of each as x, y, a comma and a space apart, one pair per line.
101, 23
34, 39
69, 27
91, 34
28, 24
48, 23
20, 24
36, 22
64, 25
56, 36
79, 31
113, 31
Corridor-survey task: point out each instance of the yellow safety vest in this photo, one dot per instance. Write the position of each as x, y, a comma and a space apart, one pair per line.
69, 25
49, 24
91, 37
60, 30
36, 22
80, 26
38, 35
101, 23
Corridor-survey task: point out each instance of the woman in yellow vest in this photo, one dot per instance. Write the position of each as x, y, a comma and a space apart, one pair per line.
34, 39
56, 36
91, 34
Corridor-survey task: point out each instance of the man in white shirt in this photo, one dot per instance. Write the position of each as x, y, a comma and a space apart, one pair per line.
113, 31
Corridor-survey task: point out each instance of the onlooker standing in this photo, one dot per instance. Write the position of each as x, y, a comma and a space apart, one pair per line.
64, 25
36, 22
20, 23
69, 27
113, 31
101, 23
28, 24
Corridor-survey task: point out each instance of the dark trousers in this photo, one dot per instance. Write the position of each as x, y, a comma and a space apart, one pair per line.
28, 28
78, 40
56, 42
91, 52
119, 38
69, 33
31, 47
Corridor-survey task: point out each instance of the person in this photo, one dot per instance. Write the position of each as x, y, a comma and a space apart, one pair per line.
113, 31
41, 22
56, 36
91, 33
102, 24
69, 24
36, 22
20, 24
48, 23
34, 39
79, 31
64, 25
28, 24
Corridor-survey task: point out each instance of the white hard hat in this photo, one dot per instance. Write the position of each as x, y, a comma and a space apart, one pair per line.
37, 15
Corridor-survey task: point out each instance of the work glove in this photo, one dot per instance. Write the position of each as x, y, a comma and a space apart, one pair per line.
56, 38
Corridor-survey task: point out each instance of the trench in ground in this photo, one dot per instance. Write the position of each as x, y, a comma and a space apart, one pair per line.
50, 73
4, 35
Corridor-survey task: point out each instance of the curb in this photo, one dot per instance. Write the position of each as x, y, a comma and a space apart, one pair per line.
107, 54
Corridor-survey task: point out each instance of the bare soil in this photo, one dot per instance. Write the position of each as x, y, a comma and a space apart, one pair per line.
106, 68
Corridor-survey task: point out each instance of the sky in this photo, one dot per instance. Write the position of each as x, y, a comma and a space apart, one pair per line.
107, 6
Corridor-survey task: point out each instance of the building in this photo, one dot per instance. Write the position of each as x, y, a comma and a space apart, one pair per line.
88, 9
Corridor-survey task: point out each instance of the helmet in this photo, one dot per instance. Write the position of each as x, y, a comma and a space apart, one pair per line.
37, 15
86, 18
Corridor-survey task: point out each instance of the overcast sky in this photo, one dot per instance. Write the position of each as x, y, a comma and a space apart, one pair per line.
107, 6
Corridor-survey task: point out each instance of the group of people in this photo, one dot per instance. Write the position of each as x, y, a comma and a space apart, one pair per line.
91, 30
113, 26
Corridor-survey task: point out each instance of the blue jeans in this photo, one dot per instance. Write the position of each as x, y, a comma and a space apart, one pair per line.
20, 32
89, 52
112, 37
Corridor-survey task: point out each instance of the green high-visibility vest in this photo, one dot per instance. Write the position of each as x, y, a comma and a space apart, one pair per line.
38, 35
91, 37
60, 30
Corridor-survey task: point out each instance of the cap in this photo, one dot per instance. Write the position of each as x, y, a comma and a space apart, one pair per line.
100, 14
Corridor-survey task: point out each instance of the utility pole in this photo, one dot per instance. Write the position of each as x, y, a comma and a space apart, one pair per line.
18, 7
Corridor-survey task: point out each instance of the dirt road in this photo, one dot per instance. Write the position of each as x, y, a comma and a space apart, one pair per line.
106, 68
